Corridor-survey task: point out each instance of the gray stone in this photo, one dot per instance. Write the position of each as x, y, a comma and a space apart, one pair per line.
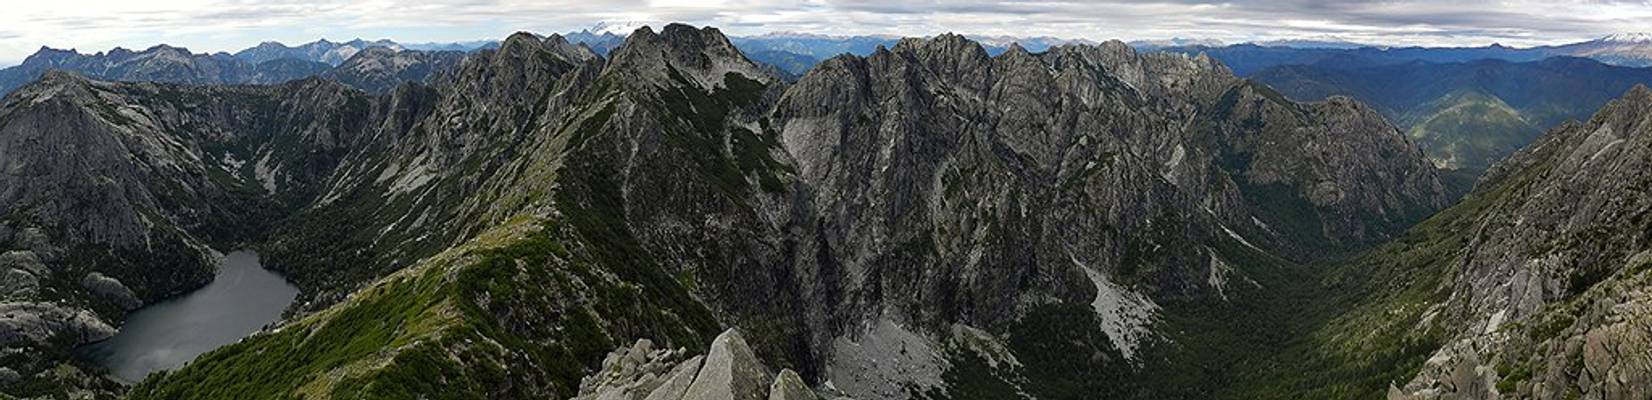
731, 372
111, 290
678, 382
789, 386
16, 284
36, 240
34, 324
24, 260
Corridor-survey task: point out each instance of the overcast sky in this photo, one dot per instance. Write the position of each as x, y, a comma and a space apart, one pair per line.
227, 25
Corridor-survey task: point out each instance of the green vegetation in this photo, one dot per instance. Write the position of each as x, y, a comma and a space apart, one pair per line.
1069, 356
1470, 129
696, 123
523, 311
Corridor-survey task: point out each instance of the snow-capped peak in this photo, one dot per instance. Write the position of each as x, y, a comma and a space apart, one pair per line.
1630, 37
621, 28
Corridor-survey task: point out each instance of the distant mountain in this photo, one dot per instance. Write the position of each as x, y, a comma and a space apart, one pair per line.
156, 64
1249, 58
601, 43
1150, 45
996, 45
1533, 287
1088, 222
820, 47
1320, 43
453, 46
380, 69
1631, 50
791, 65
1465, 114
377, 67
332, 53
1628, 49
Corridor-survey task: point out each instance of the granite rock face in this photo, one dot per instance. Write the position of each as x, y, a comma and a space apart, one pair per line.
381, 69
370, 66
957, 188
1551, 299
729, 371
116, 191
848, 225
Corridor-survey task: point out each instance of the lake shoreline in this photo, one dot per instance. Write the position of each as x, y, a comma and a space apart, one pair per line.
242, 299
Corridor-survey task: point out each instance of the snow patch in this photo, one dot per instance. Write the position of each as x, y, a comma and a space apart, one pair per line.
1628, 37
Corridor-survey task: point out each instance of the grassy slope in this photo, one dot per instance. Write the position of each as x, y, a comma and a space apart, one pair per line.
1469, 129
520, 311
1379, 315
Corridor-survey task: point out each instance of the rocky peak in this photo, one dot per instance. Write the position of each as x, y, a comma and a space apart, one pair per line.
576, 52
729, 371
1116, 49
1637, 99
950, 55
50, 56
702, 56
1015, 50
1553, 269
53, 84
521, 43
1628, 37
375, 51
166, 48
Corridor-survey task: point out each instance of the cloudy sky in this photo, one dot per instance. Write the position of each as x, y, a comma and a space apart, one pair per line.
215, 25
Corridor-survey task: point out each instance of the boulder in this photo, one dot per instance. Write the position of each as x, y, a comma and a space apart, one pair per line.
24, 260
8, 376
678, 381
17, 284
33, 324
36, 240
790, 386
731, 372
111, 290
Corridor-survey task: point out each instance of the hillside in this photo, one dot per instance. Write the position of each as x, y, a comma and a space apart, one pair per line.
1466, 115
1060, 224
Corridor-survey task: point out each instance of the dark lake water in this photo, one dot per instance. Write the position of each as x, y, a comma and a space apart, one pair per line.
165, 335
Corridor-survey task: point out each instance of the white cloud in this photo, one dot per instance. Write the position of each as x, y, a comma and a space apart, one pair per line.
226, 25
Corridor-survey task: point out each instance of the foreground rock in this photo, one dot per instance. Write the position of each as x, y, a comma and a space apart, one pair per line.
1553, 298
887, 225
729, 371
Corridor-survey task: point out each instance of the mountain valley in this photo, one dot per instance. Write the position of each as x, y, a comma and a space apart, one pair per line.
670, 214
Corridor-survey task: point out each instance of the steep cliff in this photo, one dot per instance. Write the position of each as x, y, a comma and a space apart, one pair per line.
928, 221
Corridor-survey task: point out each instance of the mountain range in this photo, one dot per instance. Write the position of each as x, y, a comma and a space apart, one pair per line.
1465, 115
374, 67
670, 219
1630, 50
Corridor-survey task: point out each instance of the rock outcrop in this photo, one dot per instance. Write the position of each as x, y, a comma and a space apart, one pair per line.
381, 69
116, 191
1059, 208
728, 371
1550, 300
372, 67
